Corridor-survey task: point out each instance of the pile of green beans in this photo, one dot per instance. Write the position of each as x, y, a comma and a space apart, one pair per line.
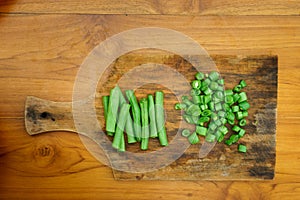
213, 110
140, 120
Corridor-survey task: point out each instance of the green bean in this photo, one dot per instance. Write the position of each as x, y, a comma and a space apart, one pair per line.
242, 148
193, 138
160, 118
112, 112
136, 113
118, 141
153, 128
185, 132
145, 123
130, 130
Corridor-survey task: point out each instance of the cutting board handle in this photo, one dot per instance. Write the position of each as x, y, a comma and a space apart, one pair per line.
44, 116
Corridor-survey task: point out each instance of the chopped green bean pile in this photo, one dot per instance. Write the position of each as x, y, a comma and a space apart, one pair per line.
213, 109
140, 120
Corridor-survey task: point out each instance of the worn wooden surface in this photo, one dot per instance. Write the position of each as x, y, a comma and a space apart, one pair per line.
40, 56
223, 163
155, 7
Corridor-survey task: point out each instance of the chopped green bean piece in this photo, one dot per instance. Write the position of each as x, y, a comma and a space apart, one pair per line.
235, 108
207, 91
210, 137
213, 76
196, 99
243, 83
231, 122
195, 119
222, 113
193, 110
243, 97
218, 107
206, 82
212, 126
245, 113
185, 132
228, 142
213, 85
218, 122
206, 113
193, 138
226, 107
214, 116
203, 119
223, 120
237, 88
195, 92
207, 99
229, 100
187, 102
234, 138
230, 116
242, 132
188, 119
196, 84
223, 129
203, 107
220, 81
180, 106
244, 105
221, 138
236, 128
242, 148
219, 95
236, 97
199, 76
200, 130
220, 88
203, 87
211, 106
242, 122
239, 115
228, 92
218, 134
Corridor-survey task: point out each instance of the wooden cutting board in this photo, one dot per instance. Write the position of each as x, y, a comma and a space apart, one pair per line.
223, 162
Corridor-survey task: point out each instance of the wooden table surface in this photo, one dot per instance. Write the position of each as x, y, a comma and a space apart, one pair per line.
43, 45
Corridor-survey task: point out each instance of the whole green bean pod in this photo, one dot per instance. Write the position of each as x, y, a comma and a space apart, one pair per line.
145, 123
151, 109
112, 111
160, 118
136, 113
130, 130
119, 141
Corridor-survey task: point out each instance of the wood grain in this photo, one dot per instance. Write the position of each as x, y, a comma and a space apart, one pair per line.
28, 56
222, 163
41, 55
82, 175
154, 7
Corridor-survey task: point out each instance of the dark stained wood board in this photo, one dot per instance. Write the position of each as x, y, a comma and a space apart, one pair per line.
260, 72
223, 162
